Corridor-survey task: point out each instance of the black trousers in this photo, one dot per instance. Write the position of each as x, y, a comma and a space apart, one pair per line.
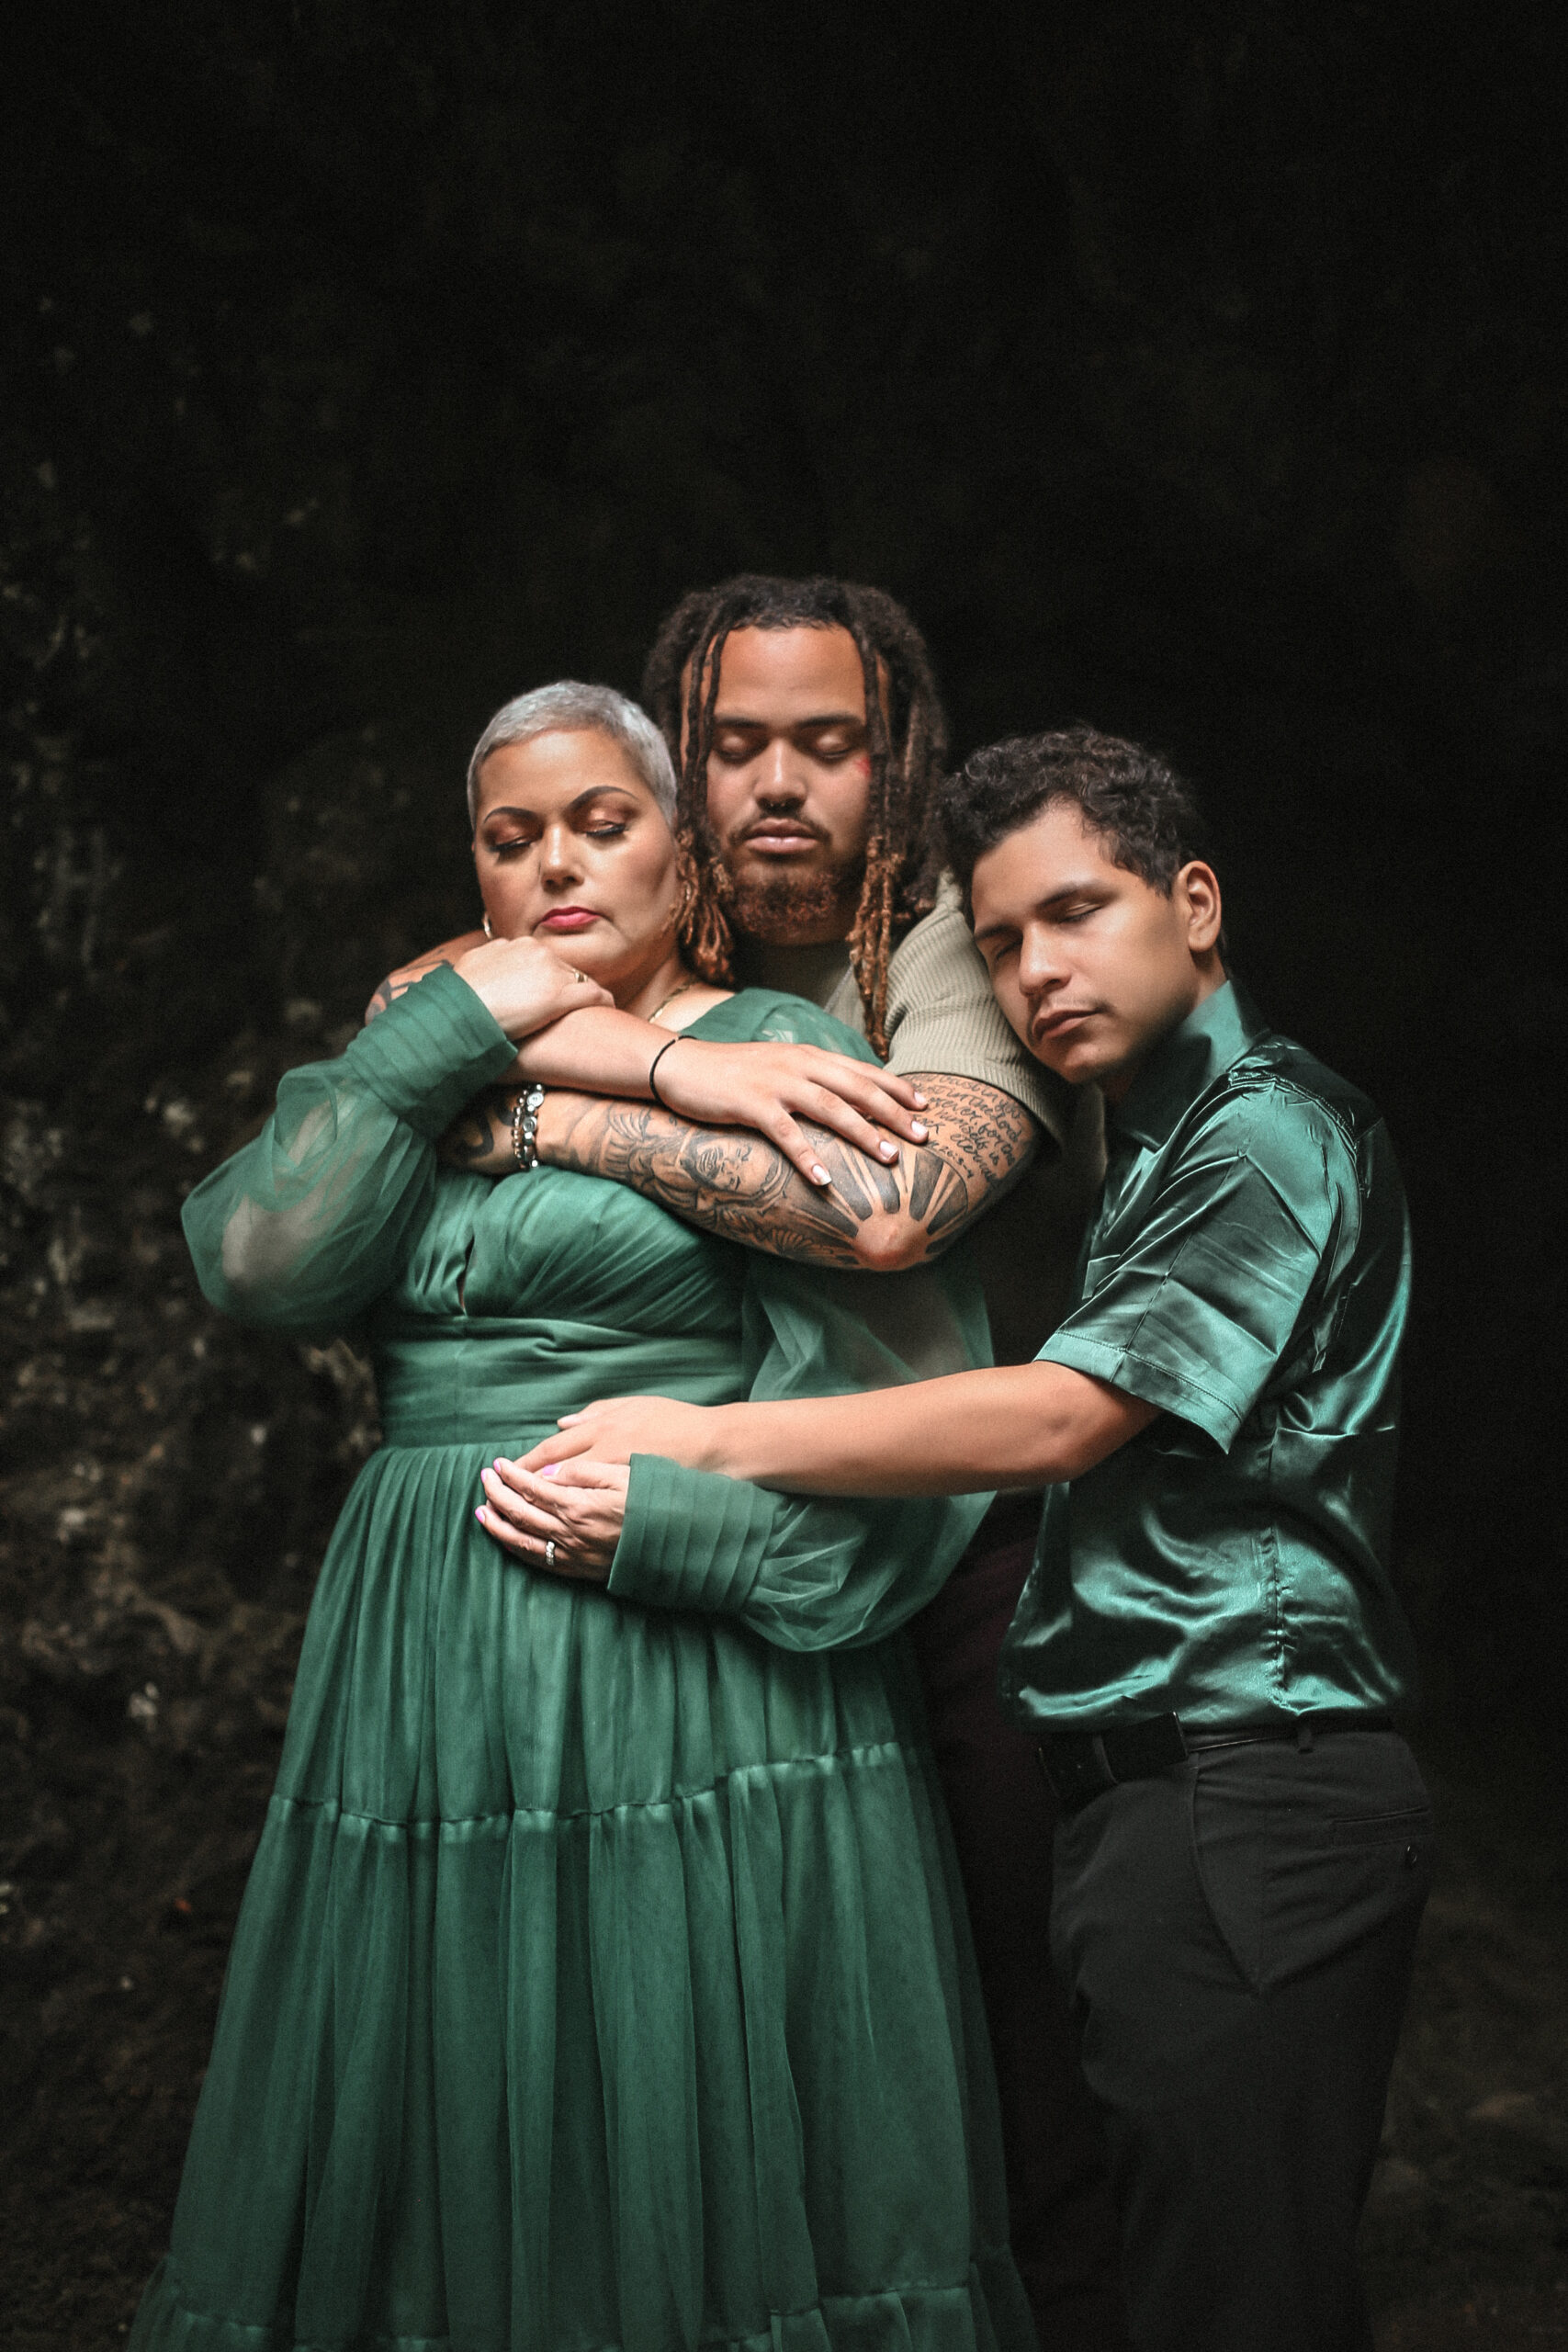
1236, 1936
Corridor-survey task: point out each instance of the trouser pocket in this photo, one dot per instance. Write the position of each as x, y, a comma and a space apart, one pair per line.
1300, 1855
1412, 1825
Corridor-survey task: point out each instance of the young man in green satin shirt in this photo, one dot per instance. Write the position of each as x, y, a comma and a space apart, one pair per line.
1209, 1646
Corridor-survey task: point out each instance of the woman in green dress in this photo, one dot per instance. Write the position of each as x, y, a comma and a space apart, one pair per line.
602, 1979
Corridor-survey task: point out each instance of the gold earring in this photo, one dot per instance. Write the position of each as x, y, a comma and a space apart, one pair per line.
488, 933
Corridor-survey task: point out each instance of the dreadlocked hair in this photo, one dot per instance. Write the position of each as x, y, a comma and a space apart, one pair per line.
907, 742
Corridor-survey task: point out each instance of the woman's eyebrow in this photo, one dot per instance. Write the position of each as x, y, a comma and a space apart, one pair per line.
597, 792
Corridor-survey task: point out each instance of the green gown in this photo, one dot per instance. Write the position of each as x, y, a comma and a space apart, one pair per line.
602, 1979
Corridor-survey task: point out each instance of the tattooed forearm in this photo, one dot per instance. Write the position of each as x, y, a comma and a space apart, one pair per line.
736, 1184
981, 1142
726, 1180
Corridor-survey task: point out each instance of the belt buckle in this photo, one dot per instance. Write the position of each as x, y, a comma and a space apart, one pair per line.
1076, 1770
1152, 1747
1081, 1765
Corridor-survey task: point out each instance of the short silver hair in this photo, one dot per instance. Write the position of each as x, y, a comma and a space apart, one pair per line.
567, 705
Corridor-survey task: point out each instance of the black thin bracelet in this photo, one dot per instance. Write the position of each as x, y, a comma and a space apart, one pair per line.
658, 1056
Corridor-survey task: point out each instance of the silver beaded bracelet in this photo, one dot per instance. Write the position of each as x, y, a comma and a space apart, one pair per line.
525, 1127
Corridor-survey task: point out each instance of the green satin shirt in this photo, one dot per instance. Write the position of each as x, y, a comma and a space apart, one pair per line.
1248, 1270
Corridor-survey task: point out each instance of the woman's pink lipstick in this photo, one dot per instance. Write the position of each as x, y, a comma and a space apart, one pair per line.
567, 918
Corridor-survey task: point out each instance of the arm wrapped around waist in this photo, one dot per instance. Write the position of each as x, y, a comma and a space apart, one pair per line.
812, 1573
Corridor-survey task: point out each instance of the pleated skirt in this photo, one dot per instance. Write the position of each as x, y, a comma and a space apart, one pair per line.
602, 1982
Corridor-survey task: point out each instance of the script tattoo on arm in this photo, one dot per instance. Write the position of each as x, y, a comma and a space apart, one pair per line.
981, 1142
736, 1184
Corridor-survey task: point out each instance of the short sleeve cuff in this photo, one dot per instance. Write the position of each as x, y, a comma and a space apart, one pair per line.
691, 1539
1139, 1376
431, 1051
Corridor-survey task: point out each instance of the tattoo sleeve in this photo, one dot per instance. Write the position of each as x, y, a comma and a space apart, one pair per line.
733, 1183
981, 1142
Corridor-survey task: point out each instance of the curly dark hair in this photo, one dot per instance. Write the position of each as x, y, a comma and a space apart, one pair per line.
907, 743
1132, 797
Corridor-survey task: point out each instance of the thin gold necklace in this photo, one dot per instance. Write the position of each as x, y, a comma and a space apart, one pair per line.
679, 989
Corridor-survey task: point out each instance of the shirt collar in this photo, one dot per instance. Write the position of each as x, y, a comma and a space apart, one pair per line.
1214, 1035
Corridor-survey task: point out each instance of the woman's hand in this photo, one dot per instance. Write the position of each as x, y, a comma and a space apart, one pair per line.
525, 985
582, 1521
771, 1087
614, 1427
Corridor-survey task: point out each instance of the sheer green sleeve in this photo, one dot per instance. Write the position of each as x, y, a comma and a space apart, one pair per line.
806, 1573
312, 1220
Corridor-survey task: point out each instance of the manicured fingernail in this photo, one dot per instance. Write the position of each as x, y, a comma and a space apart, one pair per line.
479, 1513
548, 1470
920, 1102
889, 1150
918, 1131
819, 1176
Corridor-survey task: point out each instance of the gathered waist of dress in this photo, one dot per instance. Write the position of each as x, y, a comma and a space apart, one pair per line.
483, 1388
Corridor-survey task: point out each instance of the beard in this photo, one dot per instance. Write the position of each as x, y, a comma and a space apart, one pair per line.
785, 908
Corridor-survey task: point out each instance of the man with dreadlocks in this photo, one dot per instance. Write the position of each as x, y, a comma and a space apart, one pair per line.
809, 739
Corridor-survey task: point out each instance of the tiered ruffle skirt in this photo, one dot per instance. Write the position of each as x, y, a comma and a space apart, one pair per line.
602, 1982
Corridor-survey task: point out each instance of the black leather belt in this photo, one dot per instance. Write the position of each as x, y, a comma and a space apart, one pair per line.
1081, 1765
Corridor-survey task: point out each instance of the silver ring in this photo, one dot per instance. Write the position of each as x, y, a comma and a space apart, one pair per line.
550, 1553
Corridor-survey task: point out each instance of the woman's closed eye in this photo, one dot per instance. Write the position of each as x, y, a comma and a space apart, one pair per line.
608, 830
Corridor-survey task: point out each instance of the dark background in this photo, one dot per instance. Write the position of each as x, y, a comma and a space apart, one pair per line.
1190, 366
